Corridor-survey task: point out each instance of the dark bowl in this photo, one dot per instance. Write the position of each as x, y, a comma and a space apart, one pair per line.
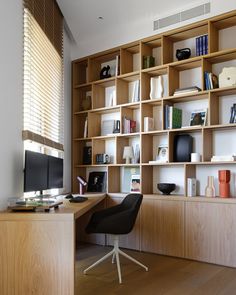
166, 188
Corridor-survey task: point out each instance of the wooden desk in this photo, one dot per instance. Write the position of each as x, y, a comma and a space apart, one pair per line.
37, 250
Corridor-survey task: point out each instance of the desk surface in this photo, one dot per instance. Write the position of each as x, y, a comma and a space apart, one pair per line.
67, 211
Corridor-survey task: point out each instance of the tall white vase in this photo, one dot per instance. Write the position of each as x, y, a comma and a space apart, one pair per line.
156, 87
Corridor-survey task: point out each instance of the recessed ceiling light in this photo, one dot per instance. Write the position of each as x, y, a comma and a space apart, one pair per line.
100, 18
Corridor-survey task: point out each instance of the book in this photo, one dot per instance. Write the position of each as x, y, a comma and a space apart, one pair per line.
197, 46
129, 126
148, 124
211, 80
175, 120
187, 90
135, 183
86, 127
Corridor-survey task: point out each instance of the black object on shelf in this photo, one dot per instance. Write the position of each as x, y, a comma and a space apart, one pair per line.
166, 188
78, 199
87, 155
97, 181
183, 53
105, 72
183, 147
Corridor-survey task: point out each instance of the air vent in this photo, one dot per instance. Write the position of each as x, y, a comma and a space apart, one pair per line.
182, 16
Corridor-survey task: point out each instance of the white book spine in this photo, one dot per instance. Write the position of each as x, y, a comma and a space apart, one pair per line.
191, 187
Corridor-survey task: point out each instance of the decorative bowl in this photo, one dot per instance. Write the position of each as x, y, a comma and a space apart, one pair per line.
166, 188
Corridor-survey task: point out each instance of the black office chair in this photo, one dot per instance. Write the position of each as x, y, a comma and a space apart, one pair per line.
116, 220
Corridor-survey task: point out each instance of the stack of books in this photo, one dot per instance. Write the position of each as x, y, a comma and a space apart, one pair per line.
211, 81
129, 126
202, 45
187, 90
233, 114
173, 117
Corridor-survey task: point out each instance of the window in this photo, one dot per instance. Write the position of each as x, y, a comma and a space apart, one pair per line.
43, 75
43, 110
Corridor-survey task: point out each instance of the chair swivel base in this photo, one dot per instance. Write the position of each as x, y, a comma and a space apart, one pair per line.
115, 255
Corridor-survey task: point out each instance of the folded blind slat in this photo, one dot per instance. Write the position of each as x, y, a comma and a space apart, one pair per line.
43, 80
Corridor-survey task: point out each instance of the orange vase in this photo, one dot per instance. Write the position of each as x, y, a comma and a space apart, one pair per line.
224, 179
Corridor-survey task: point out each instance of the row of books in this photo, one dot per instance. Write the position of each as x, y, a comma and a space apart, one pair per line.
233, 114
173, 117
129, 126
211, 81
201, 45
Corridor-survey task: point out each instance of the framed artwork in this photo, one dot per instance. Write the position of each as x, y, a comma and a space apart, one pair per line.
198, 118
97, 181
135, 183
162, 154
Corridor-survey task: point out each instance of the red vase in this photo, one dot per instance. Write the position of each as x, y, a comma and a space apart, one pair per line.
224, 179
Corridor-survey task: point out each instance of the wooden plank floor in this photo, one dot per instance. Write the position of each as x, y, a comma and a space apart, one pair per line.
166, 275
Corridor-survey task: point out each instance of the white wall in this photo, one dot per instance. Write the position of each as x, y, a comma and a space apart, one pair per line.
129, 32
11, 102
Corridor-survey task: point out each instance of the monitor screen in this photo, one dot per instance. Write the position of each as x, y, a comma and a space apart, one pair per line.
55, 172
36, 171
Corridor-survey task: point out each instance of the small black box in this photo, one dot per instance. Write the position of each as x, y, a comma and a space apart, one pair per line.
183, 147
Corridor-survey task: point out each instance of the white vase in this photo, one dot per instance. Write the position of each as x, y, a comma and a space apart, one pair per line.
156, 87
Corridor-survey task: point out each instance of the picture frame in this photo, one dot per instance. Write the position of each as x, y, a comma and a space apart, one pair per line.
97, 181
198, 117
135, 183
162, 154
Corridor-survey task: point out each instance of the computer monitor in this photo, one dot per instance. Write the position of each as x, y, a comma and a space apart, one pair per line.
55, 172
36, 172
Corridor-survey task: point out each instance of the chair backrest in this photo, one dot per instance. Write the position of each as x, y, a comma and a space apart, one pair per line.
132, 203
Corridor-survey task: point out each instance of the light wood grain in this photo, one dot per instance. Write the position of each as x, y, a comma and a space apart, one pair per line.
162, 227
210, 233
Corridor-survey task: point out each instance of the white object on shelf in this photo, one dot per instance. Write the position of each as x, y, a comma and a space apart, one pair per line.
128, 154
191, 187
225, 158
148, 124
227, 77
156, 87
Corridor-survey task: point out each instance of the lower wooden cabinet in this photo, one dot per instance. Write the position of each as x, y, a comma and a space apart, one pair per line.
131, 240
211, 232
162, 227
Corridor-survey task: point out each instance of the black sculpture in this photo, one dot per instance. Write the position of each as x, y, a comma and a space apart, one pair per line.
183, 53
105, 72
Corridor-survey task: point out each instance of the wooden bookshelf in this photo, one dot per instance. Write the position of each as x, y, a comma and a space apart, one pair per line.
86, 78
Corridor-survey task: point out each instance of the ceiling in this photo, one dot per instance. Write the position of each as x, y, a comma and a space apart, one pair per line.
118, 16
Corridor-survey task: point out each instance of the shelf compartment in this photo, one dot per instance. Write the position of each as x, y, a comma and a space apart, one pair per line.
119, 178
97, 62
78, 129
80, 72
104, 146
197, 136
185, 37
150, 144
96, 118
78, 151
126, 92
152, 175
146, 82
104, 94
82, 98
152, 110
221, 32
187, 97
130, 58
213, 139
151, 47
130, 113
185, 75
123, 141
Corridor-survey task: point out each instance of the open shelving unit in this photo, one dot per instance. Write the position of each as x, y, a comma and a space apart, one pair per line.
208, 140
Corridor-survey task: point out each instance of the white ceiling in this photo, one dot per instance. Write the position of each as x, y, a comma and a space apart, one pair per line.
82, 15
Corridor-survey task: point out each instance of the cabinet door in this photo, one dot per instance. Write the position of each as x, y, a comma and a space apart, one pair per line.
162, 227
211, 232
131, 240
